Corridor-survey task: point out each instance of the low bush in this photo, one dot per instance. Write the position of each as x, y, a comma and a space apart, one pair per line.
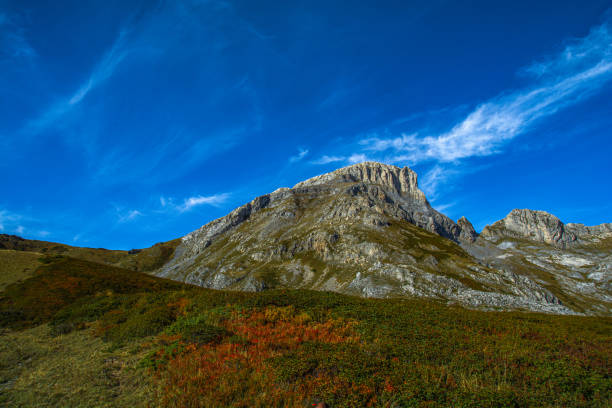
196, 329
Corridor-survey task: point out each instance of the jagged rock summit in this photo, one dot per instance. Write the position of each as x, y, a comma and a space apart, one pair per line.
467, 233
401, 181
529, 224
540, 226
382, 188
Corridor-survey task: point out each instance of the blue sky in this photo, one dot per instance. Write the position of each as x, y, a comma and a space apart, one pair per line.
125, 123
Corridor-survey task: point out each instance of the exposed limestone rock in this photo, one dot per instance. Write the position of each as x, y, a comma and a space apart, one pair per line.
537, 226
388, 189
467, 232
401, 181
589, 233
368, 230
541, 226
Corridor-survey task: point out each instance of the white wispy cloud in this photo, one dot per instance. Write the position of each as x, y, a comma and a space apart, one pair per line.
432, 180
168, 205
301, 154
565, 79
328, 159
357, 158
350, 159
129, 215
443, 207
9, 221
13, 39
195, 201
13, 223
103, 70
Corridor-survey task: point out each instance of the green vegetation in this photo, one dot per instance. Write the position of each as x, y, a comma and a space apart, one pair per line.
141, 260
39, 368
78, 333
64, 281
16, 265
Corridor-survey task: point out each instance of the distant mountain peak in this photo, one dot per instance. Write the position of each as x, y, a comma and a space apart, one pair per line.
541, 226
467, 232
534, 225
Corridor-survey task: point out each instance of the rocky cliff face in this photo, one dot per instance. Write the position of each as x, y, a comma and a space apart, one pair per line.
400, 181
572, 260
542, 227
367, 230
538, 226
467, 233
382, 189
588, 234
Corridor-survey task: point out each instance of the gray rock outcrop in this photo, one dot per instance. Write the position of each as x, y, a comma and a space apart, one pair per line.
369, 230
587, 233
467, 233
394, 188
540, 226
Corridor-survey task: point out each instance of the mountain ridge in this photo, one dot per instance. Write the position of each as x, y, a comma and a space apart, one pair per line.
544, 227
350, 231
368, 230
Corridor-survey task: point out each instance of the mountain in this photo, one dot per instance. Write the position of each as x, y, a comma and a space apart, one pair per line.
92, 327
369, 230
540, 226
571, 260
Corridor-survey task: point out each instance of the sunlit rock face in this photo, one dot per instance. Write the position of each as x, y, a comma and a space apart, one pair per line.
369, 230
543, 227
538, 226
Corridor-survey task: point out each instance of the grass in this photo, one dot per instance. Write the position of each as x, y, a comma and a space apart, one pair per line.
141, 260
94, 335
16, 265
64, 281
40, 369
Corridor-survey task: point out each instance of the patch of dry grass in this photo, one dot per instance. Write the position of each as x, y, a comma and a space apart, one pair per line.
16, 266
38, 369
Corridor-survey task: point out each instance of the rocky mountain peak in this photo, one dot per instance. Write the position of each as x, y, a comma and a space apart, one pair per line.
401, 180
534, 225
368, 229
467, 232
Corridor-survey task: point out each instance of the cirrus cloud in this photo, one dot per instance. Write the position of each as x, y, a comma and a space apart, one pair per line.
579, 71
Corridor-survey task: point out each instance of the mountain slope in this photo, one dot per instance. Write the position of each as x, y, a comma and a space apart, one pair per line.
369, 230
366, 229
574, 262
122, 339
141, 260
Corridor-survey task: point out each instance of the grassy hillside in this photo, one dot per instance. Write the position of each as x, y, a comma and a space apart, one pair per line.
17, 265
77, 333
142, 260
